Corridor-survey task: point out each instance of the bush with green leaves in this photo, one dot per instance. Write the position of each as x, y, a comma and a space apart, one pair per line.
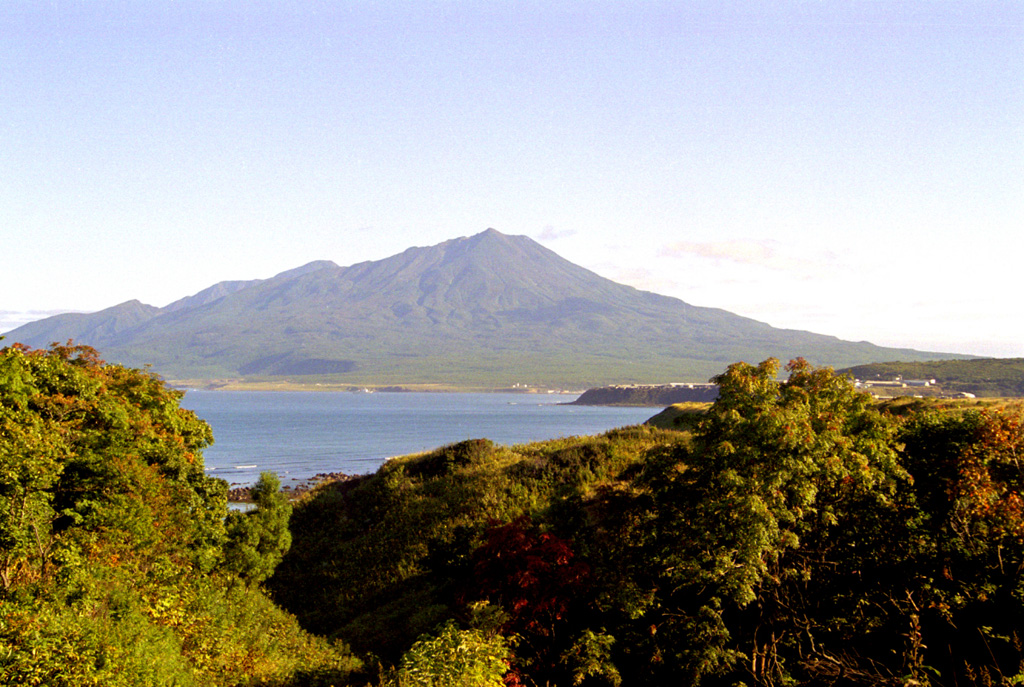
808, 537
115, 564
453, 657
258, 539
797, 533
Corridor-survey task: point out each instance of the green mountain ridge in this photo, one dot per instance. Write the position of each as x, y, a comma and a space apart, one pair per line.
484, 310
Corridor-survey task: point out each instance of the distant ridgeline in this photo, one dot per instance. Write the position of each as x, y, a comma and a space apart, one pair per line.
983, 377
647, 395
475, 312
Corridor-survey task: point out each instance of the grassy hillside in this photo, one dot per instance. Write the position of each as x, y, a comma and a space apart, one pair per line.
680, 416
380, 560
982, 377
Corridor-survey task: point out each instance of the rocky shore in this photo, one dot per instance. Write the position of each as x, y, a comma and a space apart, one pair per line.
244, 494
647, 395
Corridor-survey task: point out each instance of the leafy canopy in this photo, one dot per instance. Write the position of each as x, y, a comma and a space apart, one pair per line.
116, 567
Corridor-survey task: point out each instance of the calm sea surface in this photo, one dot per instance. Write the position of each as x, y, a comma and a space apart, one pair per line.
300, 434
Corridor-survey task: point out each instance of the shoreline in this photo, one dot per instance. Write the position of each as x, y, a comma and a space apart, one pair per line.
243, 494
332, 387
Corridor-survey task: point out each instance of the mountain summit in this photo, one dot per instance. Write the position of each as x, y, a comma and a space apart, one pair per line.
484, 310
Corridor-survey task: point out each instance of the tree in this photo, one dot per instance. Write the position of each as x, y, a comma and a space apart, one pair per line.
99, 458
535, 579
110, 536
779, 459
31, 449
968, 575
258, 540
749, 516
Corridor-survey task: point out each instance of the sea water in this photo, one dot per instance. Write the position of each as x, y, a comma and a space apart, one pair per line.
301, 434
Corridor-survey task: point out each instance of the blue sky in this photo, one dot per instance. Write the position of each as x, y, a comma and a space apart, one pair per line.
849, 168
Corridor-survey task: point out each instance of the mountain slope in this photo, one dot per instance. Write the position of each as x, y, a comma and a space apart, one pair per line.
209, 295
99, 328
486, 310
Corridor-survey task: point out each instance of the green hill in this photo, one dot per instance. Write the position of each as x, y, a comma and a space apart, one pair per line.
485, 311
790, 532
798, 534
981, 377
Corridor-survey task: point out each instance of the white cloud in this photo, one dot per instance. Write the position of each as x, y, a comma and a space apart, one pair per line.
549, 233
767, 254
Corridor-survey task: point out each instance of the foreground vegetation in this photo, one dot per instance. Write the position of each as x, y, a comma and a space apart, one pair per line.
794, 533
119, 564
789, 533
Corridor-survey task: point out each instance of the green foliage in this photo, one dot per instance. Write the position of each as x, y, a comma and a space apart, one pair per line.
453, 658
969, 485
797, 540
257, 540
30, 452
447, 460
797, 533
779, 460
380, 560
45, 644
112, 539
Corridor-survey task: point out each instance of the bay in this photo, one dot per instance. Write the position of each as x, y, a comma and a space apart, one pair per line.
301, 434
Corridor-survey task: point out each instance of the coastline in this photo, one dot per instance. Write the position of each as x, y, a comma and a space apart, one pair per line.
347, 387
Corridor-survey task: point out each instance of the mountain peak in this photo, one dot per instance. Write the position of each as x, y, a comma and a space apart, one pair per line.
314, 266
487, 238
486, 309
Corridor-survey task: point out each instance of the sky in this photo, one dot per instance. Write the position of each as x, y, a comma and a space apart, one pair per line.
853, 168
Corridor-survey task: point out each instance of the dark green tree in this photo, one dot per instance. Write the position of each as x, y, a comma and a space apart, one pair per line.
748, 518
968, 576
257, 540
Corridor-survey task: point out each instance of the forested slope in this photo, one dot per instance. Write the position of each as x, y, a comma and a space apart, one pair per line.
795, 533
800, 534
119, 564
